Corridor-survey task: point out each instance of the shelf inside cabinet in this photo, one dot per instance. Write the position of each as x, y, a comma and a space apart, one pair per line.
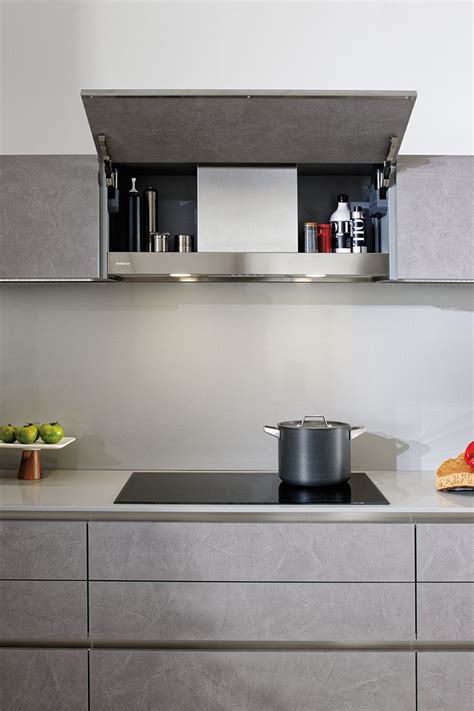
248, 266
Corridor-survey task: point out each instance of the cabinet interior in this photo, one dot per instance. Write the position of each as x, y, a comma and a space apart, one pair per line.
318, 187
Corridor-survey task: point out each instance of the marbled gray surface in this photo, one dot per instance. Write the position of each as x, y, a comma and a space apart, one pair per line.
435, 218
252, 681
445, 552
50, 223
43, 610
445, 681
252, 611
251, 551
445, 611
43, 680
228, 130
43, 550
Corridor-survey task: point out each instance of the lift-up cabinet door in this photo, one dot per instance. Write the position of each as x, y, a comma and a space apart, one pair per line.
49, 227
435, 219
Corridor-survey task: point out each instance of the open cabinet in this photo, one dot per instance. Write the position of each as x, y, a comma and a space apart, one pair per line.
333, 142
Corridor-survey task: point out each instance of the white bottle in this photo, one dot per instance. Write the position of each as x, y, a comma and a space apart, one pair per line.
341, 225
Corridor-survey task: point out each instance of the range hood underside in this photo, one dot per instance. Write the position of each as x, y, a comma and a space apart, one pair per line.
248, 266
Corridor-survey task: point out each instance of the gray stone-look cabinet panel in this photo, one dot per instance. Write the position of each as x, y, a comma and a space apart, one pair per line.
43, 680
252, 611
445, 611
435, 218
252, 681
252, 551
445, 552
49, 207
45, 550
445, 681
43, 610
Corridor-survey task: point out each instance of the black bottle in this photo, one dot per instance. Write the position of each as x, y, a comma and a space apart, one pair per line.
134, 235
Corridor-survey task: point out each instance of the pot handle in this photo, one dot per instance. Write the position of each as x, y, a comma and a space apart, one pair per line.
357, 430
274, 431
314, 417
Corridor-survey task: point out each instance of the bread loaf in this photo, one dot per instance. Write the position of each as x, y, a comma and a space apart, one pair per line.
454, 474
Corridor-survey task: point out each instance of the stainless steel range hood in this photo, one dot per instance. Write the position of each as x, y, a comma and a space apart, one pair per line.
247, 266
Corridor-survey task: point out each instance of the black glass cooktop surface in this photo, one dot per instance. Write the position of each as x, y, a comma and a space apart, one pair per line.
241, 488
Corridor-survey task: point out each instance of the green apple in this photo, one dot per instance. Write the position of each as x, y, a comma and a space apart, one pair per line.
7, 434
34, 424
51, 432
28, 434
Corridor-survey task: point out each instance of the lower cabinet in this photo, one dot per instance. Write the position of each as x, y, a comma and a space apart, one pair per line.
251, 681
43, 680
445, 681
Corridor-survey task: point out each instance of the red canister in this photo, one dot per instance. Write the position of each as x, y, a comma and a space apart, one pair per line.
324, 238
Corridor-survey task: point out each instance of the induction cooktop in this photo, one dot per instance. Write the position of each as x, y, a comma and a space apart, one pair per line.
242, 488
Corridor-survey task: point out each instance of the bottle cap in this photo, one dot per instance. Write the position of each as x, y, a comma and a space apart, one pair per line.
342, 198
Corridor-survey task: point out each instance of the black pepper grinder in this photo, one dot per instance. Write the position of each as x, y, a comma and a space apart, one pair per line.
134, 219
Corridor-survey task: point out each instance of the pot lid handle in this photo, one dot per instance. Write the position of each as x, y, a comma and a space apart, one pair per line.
314, 417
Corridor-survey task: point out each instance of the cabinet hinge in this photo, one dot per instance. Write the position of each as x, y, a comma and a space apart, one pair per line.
390, 160
108, 167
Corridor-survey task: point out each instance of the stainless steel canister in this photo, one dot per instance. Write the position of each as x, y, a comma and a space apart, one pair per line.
159, 242
184, 243
310, 237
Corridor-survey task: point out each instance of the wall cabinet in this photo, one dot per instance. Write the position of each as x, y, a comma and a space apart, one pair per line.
50, 218
55, 209
435, 219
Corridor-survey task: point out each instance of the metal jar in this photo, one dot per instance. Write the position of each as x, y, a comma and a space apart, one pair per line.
314, 451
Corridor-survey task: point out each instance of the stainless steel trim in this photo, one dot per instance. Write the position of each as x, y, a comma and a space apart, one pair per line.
248, 266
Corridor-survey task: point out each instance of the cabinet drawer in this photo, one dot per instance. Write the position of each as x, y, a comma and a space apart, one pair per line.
252, 611
43, 679
445, 611
252, 681
445, 552
299, 552
43, 610
36, 550
445, 681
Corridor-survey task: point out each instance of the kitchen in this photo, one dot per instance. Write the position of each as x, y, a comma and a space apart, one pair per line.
152, 376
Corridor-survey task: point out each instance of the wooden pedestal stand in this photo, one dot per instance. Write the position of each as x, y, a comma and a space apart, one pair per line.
30, 465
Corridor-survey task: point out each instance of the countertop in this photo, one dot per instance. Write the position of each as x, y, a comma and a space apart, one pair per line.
89, 494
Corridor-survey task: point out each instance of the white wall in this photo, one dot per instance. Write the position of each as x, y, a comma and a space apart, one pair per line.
52, 50
152, 375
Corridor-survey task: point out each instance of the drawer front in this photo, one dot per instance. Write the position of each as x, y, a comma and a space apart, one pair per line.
445, 611
252, 681
252, 611
43, 610
42, 550
299, 552
445, 552
445, 681
43, 680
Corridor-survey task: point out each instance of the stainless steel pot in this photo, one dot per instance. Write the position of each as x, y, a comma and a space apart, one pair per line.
314, 451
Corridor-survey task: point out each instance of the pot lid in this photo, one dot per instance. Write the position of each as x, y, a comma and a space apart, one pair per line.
314, 422
270, 127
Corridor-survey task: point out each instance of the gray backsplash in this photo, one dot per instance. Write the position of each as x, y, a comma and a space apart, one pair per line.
185, 376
